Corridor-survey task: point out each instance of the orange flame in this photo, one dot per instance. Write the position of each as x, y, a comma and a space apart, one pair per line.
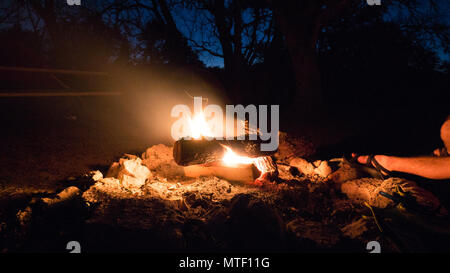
199, 128
232, 159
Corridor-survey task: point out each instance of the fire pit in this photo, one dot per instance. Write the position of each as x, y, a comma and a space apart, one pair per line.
151, 203
190, 207
235, 158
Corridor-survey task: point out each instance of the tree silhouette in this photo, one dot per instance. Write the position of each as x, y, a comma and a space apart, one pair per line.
302, 23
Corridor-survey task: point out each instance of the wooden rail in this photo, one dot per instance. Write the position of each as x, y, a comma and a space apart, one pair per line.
57, 94
57, 71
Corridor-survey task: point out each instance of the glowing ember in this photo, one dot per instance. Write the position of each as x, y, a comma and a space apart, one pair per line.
232, 159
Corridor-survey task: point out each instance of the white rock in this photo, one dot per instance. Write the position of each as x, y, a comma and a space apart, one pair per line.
323, 169
96, 175
302, 165
130, 171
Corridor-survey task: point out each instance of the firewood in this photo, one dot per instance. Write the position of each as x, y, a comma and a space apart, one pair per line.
240, 173
63, 198
191, 152
265, 164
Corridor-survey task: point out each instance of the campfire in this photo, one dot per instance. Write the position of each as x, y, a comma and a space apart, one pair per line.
206, 154
217, 194
199, 130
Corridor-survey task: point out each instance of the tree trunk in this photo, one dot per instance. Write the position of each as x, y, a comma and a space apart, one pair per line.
308, 98
47, 12
231, 46
298, 23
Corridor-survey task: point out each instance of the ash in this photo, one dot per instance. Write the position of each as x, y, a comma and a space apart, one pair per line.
144, 203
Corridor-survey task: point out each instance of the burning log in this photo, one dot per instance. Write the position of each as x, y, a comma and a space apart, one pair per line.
192, 152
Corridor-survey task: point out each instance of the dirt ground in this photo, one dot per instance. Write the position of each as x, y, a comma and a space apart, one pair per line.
44, 152
145, 204
39, 147
45, 140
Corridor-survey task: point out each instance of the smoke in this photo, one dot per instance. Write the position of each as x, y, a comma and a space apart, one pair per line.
150, 95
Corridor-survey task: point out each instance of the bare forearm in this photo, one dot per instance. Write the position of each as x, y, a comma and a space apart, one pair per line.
429, 167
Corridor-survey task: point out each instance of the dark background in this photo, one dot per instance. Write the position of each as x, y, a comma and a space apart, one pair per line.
348, 76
